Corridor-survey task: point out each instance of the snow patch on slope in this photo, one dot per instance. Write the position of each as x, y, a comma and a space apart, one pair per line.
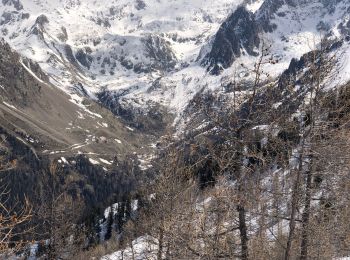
254, 5
88, 46
142, 248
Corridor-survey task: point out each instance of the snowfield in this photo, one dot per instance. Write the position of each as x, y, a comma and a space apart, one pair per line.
148, 49
142, 248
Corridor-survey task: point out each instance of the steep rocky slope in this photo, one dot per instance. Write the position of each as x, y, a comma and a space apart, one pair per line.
88, 83
129, 56
51, 122
125, 46
94, 151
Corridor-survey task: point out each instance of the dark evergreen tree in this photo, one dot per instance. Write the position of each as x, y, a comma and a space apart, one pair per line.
109, 225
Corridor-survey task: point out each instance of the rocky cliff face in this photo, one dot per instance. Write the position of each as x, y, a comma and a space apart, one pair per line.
238, 35
143, 68
40, 126
15, 3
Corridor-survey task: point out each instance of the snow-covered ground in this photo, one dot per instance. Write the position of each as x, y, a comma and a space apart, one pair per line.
142, 248
150, 47
112, 32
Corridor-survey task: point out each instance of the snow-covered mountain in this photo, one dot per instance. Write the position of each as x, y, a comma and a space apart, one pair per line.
87, 82
147, 52
146, 59
111, 44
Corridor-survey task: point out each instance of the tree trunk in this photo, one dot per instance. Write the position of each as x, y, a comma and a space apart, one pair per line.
160, 242
305, 219
243, 232
295, 200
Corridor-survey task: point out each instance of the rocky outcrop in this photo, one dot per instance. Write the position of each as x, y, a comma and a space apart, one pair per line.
102, 22
12, 74
8, 17
344, 29
38, 28
63, 35
141, 54
84, 57
151, 119
140, 4
160, 52
238, 35
15, 3
270, 8
41, 20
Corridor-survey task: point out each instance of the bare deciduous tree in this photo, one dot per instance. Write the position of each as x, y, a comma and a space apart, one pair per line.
12, 218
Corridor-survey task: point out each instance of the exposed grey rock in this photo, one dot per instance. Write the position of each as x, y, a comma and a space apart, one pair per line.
6, 18
140, 4
330, 4
238, 34
69, 53
4, 31
323, 26
344, 28
15, 3
72, 3
41, 20
160, 52
80, 89
152, 119
84, 57
39, 26
22, 86
96, 41
266, 12
25, 15
106, 61
127, 64
63, 35
102, 22
269, 9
